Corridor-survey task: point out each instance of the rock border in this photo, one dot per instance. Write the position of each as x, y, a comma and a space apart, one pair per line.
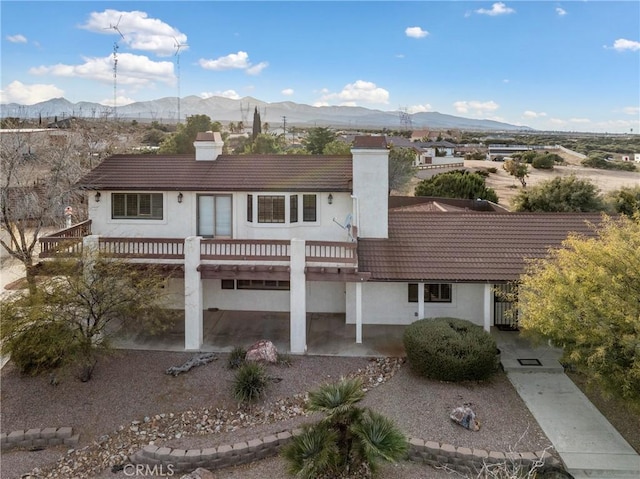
462, 459
38, 438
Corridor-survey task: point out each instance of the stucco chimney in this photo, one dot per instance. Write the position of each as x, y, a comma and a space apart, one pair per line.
208, 146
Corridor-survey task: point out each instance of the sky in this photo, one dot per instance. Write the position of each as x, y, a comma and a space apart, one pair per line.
549, 65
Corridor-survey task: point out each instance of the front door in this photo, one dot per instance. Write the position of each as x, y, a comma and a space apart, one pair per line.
214, 216
505, 310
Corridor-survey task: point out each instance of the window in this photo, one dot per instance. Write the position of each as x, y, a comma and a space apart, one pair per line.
309, 208
250, 208
270, 209
228, 284
146, 206
293, 209
433, 293
263, 284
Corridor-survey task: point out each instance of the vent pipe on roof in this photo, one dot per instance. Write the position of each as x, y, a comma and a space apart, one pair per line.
208, 146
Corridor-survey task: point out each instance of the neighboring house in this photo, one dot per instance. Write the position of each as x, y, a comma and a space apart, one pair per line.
309, 234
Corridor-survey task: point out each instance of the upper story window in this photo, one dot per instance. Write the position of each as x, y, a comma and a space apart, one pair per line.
250, 208
433, 293
270, 209
145, 206
309, 209
293, 209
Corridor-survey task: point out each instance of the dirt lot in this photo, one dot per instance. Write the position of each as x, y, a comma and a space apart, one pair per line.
507, 186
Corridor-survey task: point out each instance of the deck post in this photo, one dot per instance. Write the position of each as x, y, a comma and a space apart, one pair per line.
298, 298
193, 330
488, 296
358, 313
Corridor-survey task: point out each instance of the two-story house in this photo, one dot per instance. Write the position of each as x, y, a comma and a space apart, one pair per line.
304, 234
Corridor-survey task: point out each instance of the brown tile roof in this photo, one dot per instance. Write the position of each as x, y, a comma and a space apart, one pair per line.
227, 173
479, 246
434, 203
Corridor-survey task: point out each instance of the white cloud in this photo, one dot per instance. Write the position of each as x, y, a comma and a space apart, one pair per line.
561, 11
416, 32
321, 103
359, 91
231, 94
400, 55
479, 108
233, 61
18, 92
287, 91
580, 120
419, 108
631, 110
17, 38
557, 122
622, 44
120, 101
139, 31
533, 114
132, 70
497, 8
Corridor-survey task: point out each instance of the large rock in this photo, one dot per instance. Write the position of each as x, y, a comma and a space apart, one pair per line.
465, 416
262, 351
199, 473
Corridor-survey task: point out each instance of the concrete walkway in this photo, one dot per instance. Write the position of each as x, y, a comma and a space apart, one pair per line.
587, 443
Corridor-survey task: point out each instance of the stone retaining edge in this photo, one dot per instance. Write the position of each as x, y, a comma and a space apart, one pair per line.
462, 459
38, 438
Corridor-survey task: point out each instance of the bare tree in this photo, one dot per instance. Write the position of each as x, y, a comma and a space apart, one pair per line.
39, 170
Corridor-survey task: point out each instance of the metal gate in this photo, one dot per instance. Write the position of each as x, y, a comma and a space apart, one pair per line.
505, 306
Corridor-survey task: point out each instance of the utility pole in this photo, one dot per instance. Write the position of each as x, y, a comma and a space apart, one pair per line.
284, 125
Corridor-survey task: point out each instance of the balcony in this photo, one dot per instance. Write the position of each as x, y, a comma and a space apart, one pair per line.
69, 243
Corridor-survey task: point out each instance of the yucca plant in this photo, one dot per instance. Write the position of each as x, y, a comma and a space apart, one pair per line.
348, 440
236, 357
250, 382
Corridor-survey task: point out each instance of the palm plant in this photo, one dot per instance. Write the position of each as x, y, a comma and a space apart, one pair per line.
348, 441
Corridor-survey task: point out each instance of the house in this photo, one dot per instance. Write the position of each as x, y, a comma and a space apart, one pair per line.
305, 234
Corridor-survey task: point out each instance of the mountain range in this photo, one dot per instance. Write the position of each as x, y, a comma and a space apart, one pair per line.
227, 110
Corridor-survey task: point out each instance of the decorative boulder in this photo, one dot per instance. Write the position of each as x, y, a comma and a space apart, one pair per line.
262, 351
199, 473
465, 416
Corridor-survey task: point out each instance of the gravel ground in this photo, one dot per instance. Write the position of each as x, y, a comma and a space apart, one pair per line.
132, 385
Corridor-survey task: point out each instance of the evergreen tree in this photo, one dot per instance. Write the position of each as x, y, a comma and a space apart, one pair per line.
257, 125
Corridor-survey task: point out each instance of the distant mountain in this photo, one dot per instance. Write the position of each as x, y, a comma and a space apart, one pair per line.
225, 110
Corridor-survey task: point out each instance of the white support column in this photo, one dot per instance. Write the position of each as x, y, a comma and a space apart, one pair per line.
488, 303
193, 331
359, 313
420, 300
298, 298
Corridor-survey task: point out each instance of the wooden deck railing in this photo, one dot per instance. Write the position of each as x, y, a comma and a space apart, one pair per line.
331, 252
66, 242
151, 248
252, 250
210, 249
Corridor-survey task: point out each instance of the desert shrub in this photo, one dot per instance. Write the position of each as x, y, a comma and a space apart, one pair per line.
42, 348
250, 382
236, 357
492, 169
450, 349
284, 359
543, 162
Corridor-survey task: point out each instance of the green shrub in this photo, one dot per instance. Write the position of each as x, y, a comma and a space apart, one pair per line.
492, 169
42, 348
250, 382
450, 349
236, 357
543, 162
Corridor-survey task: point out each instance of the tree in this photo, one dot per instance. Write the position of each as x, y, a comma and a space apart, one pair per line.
337, 147
560, 194
625, 201
257, 126
39, 171
182, 140
317, 138
401, 167
265, 144
349, 441
81, 305
517, 169
456, 184
585, 298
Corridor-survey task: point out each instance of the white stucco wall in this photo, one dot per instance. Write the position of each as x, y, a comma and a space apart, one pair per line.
387, 303
180, 219
371, 188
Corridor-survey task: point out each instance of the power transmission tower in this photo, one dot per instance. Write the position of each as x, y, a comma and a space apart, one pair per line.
177, 55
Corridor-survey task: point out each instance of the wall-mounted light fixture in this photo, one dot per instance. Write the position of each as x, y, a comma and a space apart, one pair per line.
330, 198
97, 197
180, 196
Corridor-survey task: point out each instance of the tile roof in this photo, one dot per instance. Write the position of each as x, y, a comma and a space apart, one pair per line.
370, 142
227, 173
471, 247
